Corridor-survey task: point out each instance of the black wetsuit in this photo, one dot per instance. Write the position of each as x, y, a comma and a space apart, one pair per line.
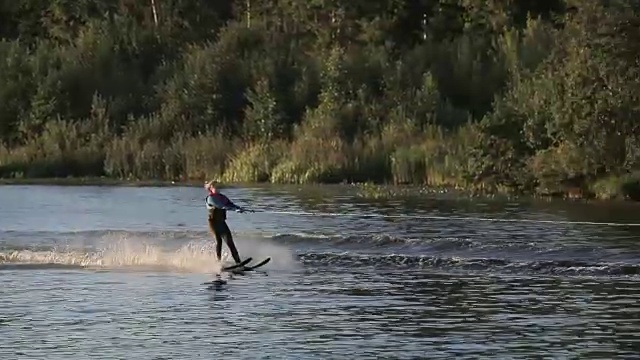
218, 205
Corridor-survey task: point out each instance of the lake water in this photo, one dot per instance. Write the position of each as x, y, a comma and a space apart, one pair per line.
117, 273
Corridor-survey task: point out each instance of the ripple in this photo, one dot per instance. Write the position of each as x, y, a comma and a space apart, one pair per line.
565, 267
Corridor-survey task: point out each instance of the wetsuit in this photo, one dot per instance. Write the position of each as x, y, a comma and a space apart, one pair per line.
217, 206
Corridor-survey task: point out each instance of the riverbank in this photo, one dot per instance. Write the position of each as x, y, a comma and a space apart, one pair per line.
90, 181
609, 189
102, 181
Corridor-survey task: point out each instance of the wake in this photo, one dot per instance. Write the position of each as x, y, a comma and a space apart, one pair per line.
124, 254
133, 252
472, 264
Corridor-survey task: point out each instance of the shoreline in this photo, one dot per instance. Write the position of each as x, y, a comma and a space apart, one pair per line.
364, 190
92, 181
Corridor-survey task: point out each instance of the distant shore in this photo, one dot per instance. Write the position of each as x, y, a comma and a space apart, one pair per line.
94, 181
363, 190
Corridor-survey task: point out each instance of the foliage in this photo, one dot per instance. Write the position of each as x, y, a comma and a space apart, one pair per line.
519, 95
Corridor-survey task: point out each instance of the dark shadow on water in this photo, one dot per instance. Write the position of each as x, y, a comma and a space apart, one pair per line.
218, 292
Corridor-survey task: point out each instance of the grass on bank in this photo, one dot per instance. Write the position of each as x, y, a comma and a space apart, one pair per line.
398, 155
625, 187
428, 159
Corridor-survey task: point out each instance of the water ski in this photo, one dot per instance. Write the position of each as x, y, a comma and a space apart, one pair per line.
244, 269
240, 264
218, 281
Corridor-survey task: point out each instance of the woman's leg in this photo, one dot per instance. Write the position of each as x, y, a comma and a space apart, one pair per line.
216, 235
225, 232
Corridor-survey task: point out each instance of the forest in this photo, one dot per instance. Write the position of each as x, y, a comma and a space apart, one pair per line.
516, 96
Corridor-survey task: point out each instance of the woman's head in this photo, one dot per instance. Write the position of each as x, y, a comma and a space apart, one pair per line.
210, 186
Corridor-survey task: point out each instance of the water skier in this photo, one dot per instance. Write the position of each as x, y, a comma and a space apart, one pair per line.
217, 206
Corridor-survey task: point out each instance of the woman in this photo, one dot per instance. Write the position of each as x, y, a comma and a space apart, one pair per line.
217, 206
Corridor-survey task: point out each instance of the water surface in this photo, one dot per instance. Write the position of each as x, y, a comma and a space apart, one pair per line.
116, 273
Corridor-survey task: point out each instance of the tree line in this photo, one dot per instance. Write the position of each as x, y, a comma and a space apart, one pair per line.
487, 95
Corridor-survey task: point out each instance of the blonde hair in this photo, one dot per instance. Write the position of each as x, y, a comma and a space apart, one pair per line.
209, 184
